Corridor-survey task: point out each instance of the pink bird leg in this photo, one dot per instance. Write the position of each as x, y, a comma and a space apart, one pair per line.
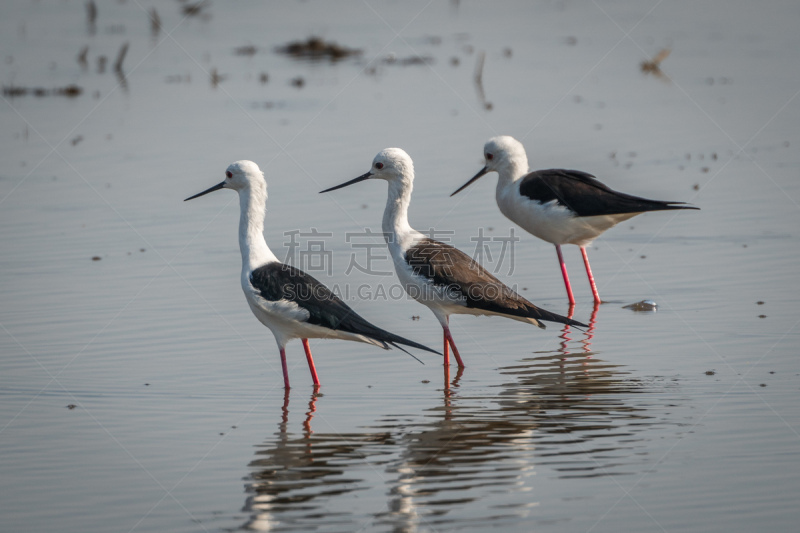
311, 366
564, 273
591, 277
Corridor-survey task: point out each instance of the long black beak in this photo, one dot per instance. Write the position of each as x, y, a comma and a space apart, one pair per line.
363, 177
483, 171
216, 187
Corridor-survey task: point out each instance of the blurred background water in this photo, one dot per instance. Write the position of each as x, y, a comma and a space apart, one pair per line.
139, 393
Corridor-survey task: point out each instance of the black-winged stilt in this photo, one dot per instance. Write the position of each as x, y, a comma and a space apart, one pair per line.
436, 274
559, 206
291, 303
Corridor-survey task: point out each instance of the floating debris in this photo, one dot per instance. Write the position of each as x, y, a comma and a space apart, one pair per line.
246, 50
216, 78
195, 9
710, 372
91, 16
76, 140
479, 81
644, 305
155, 22
82, 57
297, 82
96, 258
123, 51
315, 48
69, 90
654, 65
71, 406
263, 78
15, 90
392, 59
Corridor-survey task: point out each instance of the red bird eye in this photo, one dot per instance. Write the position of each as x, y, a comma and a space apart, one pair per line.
228, 174
489, 156
379, 165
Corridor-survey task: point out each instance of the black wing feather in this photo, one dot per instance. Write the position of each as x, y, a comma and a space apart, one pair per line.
449, 267
586, 195
277, 281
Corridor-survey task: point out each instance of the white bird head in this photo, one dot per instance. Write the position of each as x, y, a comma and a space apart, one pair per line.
239, 176
391, 164
500, 153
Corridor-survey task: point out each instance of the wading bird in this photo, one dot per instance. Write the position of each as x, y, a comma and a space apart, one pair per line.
291, 303
559, 206
436, 274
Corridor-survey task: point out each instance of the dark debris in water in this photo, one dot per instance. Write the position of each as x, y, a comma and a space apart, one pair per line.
69, 91
653, 66
392, 59
247, 50
315, 48
644, 305
195, 9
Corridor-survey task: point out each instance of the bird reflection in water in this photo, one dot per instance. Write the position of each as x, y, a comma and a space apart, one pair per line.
295, 476
469, 461
588, 334
565, 337
570, 411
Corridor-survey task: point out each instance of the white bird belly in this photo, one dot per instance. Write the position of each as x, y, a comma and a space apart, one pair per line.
287, 320
556, 224
423, 290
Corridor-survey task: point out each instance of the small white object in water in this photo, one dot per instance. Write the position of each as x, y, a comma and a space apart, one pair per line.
644, 305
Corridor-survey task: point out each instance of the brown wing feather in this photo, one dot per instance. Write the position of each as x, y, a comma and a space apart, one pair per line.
449, 267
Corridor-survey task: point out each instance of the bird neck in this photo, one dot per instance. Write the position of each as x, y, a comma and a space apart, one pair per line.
513, 168
255, 251
395, 216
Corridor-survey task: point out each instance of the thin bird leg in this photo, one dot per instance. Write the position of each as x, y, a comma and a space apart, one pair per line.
311, 366
446, 350
597, 299
564, 273
449, 338
285, 370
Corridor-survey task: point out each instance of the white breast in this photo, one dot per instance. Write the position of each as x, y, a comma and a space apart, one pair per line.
551, 221
441, 301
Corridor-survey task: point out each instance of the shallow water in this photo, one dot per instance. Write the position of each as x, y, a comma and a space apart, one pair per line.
139, 394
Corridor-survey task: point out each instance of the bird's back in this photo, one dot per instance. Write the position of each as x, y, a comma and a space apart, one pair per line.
585, 195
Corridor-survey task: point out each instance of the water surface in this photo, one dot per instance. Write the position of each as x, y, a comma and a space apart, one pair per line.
139, 393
